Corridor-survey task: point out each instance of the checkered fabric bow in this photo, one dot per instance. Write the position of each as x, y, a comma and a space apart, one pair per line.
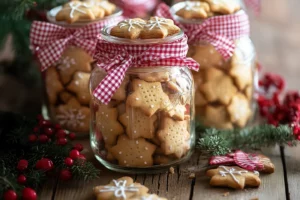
48, 41
254, 5
220, 31
116, 59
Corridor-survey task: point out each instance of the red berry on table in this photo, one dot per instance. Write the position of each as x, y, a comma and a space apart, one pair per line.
22, 165
29, 194
44, 164
36, 129
22, 179
44, 123
57, 126
32, 138
43, 138
61, 133
49, 131
74, 154
65, 175
78, 147
72, 136
10, 195
82, 157
62, 141
69, 161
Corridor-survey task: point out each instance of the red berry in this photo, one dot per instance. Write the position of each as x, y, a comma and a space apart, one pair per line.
78, 147
298, 137
82, 157
22, 165
62, 141
74, 154
49, 131
28, 194
40, 117
10, 195
69, 161
43, 138
72, 136
65, 175
61, 133
36, 129
32, 138
57, 127
44, 123
21, 179
44, 164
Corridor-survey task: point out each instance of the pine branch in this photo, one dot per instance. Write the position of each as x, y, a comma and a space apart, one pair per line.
84, 171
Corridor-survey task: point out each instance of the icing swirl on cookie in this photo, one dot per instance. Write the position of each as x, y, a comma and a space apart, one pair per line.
131, 24
231, 172
75, 6
157, 22
120, 188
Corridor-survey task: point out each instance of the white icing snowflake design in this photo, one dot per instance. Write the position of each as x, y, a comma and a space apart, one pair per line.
231, 172
71, 117
120, 188
74, 6
131, 24
157, 22
65, 63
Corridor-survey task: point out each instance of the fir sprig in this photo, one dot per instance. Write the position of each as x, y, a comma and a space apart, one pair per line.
218, 142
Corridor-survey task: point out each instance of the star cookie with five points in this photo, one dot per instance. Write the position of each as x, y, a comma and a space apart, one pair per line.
53, 84
129, 28
194, 10
224, 6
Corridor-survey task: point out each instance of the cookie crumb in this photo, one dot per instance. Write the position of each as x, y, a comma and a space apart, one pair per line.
172, 170
256, 198
226, 194
192, 175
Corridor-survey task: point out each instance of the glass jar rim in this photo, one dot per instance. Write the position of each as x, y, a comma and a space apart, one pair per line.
105, 34
52, 13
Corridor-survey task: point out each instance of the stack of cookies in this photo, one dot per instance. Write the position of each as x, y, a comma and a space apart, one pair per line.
147, 121
223, 89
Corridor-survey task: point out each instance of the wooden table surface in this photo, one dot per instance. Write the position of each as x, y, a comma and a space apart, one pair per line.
276, 36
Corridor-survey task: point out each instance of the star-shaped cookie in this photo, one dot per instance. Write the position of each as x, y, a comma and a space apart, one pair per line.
234, 177
108, 124
224, 6
73, 116
73, 59
178, 112
159, 28
174, 137
133, 153
148, 96
194, 10
53, 84
217, 116
128, 28
206, 55
80, 86
138, 124
120, 93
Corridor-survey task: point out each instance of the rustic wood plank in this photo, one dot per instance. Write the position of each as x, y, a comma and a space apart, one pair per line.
46, 192
272, 187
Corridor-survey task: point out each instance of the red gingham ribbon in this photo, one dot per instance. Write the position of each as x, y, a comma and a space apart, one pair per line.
116, 59
220, 31
48, 41
254, 5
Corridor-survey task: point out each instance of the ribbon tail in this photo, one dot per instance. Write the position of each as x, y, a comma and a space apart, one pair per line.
111, 83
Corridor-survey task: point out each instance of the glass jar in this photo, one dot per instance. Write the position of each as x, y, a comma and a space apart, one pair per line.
149, 124
223, 89
67, 96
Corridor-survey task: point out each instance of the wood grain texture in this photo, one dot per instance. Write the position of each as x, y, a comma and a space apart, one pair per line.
293, 175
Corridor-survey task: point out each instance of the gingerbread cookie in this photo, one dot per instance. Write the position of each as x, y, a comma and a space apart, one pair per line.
221, 89
217, 116
159, 28
178, 112
239, 110
129, 28
149, 97
194, 10
108, 124
137, 123
108, 7
174, 137
160, 159
249, 92
148, 197
133, 153
73, 116
224, 6
122, 188
65, 96
80, 86
268, 166
73, 59
76, 10
53, 84
242, 75
234, 177
199, 99
155, 76
120, 94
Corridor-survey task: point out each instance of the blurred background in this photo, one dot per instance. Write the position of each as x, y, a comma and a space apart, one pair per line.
275, 32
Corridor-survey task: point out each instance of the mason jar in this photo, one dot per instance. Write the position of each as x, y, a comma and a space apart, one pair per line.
223, 88
66, 82
149, 124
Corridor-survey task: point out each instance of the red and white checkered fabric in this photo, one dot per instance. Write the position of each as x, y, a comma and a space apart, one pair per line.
220, 31
116, 59
48, 41
254, 5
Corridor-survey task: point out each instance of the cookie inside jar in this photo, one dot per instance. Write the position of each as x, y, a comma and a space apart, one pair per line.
149, 121
224, 84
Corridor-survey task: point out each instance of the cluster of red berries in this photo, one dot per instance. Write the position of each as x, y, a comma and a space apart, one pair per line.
275, 111
43, 133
